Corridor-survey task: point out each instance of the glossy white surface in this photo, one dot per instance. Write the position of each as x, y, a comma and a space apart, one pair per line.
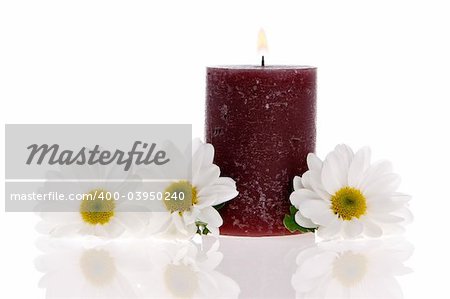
228, 267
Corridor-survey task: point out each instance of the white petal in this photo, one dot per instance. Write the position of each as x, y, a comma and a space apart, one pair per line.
315, 181
190, 217
222, 190
382, 204
226, 196
196, 143
206, 176
206, 201
406, 214
353, 228
358, 166
191, 230
306, 180
386, 218
346, 154
393, 229
226, 181
331, 230
334, 175
299, 196
303, 221
385, 184
371, 229
179, 224
297, 183
318, 211
314, 163
374, 171
206, 155
211, 217
197, 159
400, 197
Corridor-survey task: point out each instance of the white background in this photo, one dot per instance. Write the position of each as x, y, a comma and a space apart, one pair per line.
383, 77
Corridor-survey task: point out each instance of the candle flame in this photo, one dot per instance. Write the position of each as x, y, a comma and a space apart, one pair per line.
262, 41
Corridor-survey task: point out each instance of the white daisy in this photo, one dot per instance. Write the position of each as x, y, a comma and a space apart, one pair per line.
352, 269
347, 196
97, 213
196, 212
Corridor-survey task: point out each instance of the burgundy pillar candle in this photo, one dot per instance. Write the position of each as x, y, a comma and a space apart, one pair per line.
261, 121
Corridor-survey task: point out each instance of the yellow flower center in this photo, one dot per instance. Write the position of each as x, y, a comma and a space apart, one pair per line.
348, 202
180, 196
97, 207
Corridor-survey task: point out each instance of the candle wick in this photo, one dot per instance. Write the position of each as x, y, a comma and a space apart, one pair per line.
262, 60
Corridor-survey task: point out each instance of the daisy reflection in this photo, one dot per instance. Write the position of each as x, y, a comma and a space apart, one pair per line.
76, 269
189, 203
96, 207
90, 268
352, 269
187, 270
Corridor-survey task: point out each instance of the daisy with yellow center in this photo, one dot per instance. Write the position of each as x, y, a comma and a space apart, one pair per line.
96, 212
190, 206
345, 196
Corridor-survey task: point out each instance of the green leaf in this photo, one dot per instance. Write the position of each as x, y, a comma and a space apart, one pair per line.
291, 225
206, 231
293, 210
202, 228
